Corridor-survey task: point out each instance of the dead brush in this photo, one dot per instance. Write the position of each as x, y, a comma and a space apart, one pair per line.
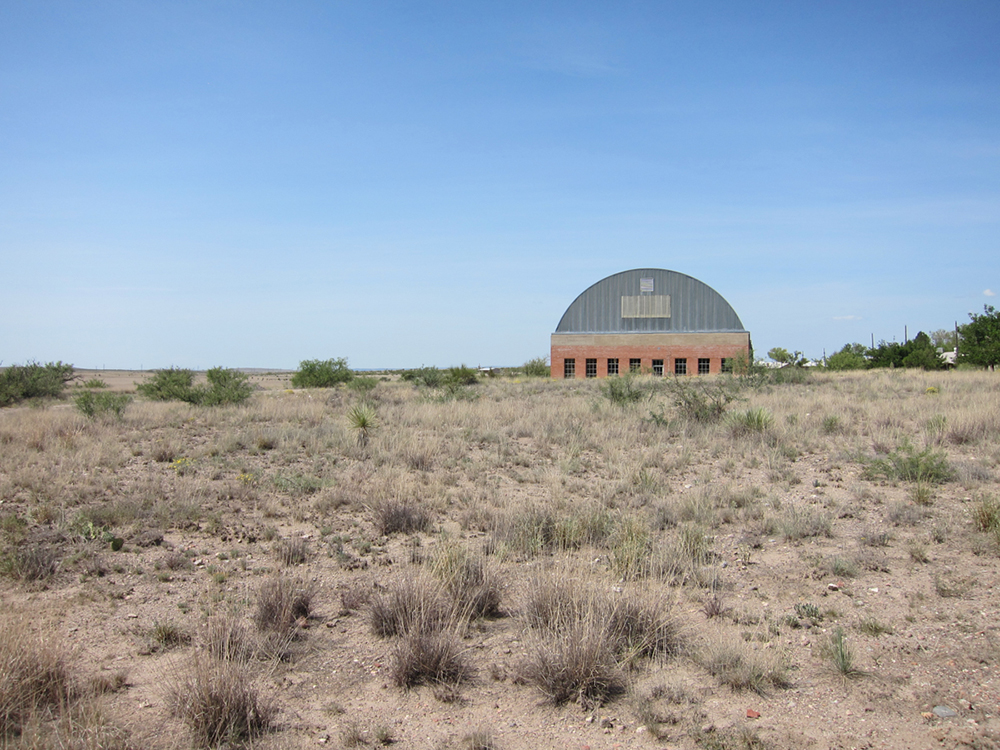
739, 665
473, 583
292, 551
35, 678
222, 702
392, 516
583, 640
432, 657
283, 603
412, 604
228, 638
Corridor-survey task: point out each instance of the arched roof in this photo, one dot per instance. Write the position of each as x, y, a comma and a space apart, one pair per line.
649, 300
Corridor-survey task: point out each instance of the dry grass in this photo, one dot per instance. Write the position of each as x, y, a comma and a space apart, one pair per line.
221, 702
536, 534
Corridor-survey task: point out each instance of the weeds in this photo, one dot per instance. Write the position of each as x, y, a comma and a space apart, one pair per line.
841, 655
399, 517
703, 400
750, 422
624, 391
741, 667
908, 464
102, 404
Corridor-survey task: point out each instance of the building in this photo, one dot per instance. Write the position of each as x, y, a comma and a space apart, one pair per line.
648, 320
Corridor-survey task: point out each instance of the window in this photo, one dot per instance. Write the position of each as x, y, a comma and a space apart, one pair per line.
727, 364
591, 371
703, 366
612, 367
658, 367
569, 368
634, 365
681, 366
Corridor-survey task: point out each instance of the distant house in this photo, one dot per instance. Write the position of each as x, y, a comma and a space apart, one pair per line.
648, 320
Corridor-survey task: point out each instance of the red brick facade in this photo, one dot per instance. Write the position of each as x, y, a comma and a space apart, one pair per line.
646, 347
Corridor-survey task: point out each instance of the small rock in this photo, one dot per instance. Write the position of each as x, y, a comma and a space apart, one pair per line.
706, 728
943, 712
751, 714
833, 587
607, 724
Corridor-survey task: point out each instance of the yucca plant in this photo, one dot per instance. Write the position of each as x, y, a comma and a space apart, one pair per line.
363, 418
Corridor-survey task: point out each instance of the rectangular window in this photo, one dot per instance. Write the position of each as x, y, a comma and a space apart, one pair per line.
658, 367
703, 366
727, 364
569, 368
634, 365
591, 370
612, 367
681, 366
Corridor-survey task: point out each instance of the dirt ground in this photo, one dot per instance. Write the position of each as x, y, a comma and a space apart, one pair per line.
809, 541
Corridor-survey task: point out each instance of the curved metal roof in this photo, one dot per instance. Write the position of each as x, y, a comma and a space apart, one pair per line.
652, 300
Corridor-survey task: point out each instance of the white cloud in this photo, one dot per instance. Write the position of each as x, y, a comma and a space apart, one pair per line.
989, 293
847, 317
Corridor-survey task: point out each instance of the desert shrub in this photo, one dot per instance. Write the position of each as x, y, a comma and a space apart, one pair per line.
574, 664
840, 654
292, 551
29, 562
33, 380
228, 638
625, 390
34, 677
537, 368
225, 386
798, 523
392, 516
460, 376
168, 635
750, 421
701, 399
629, 548
431, 377
742, 667
474, 585
363, 419
102, 404
413, 604
363, 384
316, 373
281, 603
94, 383
908, 464
986, 514
436, 657
222, 703
581, 641
173, 384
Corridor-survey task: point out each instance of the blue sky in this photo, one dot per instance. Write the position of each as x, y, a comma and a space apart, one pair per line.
251, 184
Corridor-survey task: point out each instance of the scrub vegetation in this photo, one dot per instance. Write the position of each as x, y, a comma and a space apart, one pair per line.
444, 559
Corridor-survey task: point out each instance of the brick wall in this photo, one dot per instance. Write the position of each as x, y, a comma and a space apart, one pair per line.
645, 347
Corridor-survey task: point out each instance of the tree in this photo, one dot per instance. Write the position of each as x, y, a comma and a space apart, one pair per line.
944, 339
326, 373
787, 358
979, 340
851, 357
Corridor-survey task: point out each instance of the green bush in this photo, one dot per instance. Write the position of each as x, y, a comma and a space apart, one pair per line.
95, 383
225, 386
910, 465
33, 380
102, 404
174, 384
537, 368
625, 390
322, 373
750, 421
461, 375
703, 400
431, 377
